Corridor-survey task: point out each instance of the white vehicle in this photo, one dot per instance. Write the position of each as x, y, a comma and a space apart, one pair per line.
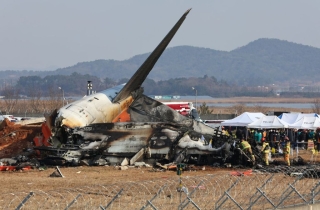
9, 117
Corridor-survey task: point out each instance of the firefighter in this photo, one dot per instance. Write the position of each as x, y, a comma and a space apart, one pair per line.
286, 151
246, 148
317, 137
265, 150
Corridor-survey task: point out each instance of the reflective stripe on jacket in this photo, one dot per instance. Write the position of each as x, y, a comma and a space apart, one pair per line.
265, 148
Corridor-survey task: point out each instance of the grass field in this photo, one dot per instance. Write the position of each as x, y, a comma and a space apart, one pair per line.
259, 100
239, 104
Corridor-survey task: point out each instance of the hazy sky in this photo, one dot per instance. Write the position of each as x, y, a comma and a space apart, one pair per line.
46, 35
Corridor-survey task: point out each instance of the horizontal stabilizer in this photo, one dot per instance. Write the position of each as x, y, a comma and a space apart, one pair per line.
141, 74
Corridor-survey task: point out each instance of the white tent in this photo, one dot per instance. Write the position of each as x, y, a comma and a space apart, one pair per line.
244, 119
268, 122
291, 118
306, 123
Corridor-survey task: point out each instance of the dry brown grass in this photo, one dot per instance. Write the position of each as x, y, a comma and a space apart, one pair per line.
47, 106
94, 186
29, 180
231, 110
254, 100
259, 100
241, 101
14, 181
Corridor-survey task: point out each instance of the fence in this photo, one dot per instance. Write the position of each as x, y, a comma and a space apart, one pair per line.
238, 190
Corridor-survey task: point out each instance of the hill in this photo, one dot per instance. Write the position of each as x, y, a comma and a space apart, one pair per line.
264, 61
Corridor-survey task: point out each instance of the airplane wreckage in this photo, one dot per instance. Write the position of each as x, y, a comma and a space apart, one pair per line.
122, 122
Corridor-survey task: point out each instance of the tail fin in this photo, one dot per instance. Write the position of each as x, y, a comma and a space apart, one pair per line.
141, 74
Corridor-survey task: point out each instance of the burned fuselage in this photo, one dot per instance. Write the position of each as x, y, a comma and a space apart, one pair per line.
121, 122
159, 140
156, 129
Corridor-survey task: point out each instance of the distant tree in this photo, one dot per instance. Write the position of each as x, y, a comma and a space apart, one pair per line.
27, 83
316, 106
259, 108
214, 79
11, 96
150, 86
1, 106
204, 109
54, 100
109, 82
239, 108
35, 100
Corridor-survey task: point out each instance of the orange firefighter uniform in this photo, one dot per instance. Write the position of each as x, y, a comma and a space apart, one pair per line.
286, 152
246, 148
265, 150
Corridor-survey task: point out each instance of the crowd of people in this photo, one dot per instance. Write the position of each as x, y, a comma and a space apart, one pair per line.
274, 141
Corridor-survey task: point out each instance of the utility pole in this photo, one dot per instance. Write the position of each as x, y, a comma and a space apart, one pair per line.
89, 90
62, 95
193, 88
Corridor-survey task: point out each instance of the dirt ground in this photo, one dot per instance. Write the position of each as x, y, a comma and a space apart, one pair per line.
75, 177
35, 179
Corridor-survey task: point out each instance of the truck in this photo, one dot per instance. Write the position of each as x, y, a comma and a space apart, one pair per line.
182, 107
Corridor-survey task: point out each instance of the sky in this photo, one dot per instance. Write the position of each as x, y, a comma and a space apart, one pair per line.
46, 35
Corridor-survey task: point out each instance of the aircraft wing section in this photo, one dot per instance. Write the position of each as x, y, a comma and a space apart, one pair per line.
141, 74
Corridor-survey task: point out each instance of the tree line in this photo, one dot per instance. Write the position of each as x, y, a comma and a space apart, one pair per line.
76, 85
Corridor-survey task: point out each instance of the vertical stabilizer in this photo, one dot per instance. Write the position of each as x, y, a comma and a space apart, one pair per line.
141, 74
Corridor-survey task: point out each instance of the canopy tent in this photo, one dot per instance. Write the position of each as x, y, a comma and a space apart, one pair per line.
268, 122
291, 118
244, 119
306, 123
